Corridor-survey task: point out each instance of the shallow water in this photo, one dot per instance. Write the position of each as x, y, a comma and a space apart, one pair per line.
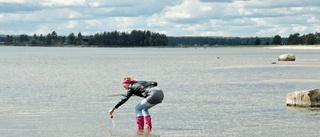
208, 91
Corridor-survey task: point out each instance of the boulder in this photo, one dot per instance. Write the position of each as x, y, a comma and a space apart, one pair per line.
306, 98
287, 57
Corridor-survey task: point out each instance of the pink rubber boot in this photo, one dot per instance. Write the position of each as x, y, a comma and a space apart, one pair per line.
140, 122
148, 122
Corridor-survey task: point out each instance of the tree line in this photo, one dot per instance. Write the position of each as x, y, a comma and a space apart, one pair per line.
104, 39
293, 39
148, 38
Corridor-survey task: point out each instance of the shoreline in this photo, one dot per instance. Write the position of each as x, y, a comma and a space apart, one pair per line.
294, 47
243, 46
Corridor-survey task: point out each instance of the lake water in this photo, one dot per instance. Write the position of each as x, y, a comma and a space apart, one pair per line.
233, 92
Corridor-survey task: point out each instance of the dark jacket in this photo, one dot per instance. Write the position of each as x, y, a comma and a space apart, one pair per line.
140, 88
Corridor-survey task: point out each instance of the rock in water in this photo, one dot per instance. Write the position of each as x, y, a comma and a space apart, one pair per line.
307, 98
287, 57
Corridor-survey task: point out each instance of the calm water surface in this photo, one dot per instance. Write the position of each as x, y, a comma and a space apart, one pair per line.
56, 92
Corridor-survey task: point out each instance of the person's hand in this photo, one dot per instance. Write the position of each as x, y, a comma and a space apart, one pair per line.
111, 111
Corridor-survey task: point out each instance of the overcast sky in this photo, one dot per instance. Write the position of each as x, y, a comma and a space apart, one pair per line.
242, 18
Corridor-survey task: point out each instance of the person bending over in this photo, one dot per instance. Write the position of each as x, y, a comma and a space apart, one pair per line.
151, 95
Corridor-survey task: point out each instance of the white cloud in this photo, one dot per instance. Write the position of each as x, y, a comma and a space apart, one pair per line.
62, 3
71, 24
42, 29
175, 18
93, 23
205, 8
299, 28
13, 1
312, 19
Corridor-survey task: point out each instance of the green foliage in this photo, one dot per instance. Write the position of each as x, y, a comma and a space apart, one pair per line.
42, 39
79, 39
257, 42
216, 41
147, 38
294, 39
104, 39
276, 40
49, 39
23, 38
309, 39
8, 40
135, 38
33, 42
71, 39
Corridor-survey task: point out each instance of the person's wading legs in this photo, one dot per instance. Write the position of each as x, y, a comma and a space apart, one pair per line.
142, 111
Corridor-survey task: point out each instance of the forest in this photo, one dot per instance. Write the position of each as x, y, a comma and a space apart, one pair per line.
145, 38
104, 39
293, 39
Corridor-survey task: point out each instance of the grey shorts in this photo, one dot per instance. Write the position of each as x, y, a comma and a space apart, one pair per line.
155, 95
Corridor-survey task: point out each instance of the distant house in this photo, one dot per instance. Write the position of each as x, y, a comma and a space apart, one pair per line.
85, 39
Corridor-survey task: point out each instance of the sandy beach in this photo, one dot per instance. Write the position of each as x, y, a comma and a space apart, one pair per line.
295, 47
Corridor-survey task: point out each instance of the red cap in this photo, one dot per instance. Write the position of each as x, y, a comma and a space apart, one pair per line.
126, 81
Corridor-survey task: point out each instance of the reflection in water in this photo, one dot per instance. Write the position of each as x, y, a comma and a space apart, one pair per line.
303, 109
